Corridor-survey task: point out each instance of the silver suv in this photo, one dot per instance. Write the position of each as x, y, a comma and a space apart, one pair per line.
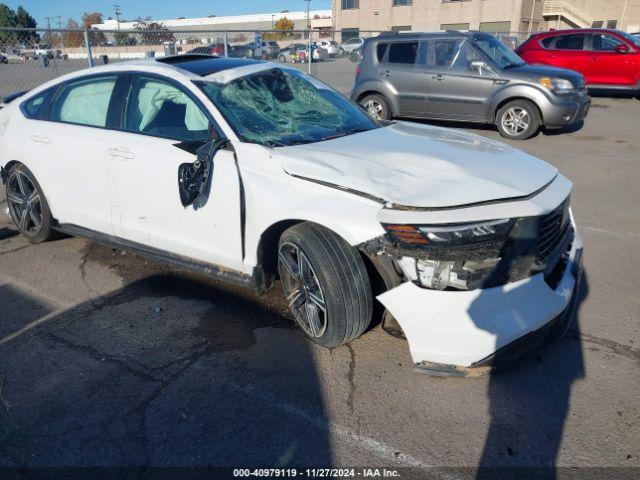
465, 76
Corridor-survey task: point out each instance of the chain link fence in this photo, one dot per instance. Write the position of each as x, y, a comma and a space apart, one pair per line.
30, 57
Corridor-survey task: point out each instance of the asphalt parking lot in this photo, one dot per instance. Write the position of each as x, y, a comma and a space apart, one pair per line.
109, 359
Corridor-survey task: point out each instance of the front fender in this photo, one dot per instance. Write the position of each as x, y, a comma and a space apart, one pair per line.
373, 86
519, 90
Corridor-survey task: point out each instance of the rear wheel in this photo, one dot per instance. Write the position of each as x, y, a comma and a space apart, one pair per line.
376, 106
27, 205
326, 284
518, 120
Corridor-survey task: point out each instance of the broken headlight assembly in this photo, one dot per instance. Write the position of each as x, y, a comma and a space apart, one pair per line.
440, 257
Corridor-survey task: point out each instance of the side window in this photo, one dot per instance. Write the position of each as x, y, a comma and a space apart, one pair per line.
570, 42
37, 108
381, 49
161, 109
403, 52
602, 42
546, 42
85, 102
451, 55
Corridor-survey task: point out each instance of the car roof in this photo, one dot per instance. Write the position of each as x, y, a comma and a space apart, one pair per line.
386, 36
203, 65
570, 31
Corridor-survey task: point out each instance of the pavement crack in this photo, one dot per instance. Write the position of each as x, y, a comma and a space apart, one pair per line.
623, 350
350, 378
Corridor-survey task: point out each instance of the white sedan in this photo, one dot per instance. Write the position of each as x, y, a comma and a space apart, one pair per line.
252, 172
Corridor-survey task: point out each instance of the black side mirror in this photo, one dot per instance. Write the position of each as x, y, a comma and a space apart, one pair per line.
193, 178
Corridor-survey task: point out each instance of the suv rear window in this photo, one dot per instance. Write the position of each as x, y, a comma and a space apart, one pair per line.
404, 52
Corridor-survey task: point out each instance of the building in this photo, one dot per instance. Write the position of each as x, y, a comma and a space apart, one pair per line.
524, 16
318, 19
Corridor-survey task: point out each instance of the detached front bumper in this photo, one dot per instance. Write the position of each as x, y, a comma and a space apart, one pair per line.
469, 333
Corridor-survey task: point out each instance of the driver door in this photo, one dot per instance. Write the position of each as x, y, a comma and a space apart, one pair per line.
163, 125
456, 89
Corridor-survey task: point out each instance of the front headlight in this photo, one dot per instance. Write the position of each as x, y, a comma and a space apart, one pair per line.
557, 85
458, 256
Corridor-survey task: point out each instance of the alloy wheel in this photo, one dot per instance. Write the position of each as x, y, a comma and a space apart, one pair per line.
374, 109
25, 204
302, 290
516, 121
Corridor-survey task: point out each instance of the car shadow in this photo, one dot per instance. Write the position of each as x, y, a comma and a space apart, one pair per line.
170, 371
529, 406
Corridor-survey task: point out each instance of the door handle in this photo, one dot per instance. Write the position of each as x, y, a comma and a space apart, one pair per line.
121, 152
40, 139
386, 73
438, 77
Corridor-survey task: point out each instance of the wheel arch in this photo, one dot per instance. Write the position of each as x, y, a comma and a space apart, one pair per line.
4, 172
506, 100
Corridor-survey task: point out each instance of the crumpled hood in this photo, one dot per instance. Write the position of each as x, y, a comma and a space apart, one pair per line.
418, 165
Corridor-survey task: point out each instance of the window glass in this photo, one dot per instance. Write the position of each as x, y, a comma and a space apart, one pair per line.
348, 4
85, 102
401, 3
546, 42
570, 42
380, 50
37, 107
404, 52
451, 54
497, 51
161, 109
454, 26
597, 24
612, 24
605, 43
280, 108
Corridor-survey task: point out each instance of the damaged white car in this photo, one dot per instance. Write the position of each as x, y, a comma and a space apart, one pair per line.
252, 172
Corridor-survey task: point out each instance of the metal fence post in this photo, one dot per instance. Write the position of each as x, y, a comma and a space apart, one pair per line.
87, 44
309, 52
226, 44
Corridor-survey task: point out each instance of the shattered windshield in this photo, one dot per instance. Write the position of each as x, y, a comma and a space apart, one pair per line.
279, 108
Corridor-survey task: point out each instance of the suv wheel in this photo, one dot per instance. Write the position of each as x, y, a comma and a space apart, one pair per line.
28, 207
326, 284
518, 120
376, 106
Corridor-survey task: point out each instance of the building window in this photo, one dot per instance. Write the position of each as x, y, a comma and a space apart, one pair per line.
612, 23
401, 28
495, 27
349, 33
350, 4
454, 1
402, 3
597, 24
454, 26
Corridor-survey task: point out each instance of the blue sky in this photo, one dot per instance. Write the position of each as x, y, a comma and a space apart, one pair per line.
158, 10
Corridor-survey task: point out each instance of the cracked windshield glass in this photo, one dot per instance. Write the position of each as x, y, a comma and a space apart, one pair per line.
278, 108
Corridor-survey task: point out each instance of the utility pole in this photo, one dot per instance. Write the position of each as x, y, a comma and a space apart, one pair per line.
118, 12
59, 17
49, 39
309, 51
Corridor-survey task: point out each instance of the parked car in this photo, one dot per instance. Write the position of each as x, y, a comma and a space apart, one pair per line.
331, 46
240, 51
354, 56
606, 58
3, 58
211, 49
297, 53
350, 45
468, 243
265, 50
465, 76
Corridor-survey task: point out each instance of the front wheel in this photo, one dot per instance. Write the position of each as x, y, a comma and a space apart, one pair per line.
376, 106
325, 283
518, 120
27, 205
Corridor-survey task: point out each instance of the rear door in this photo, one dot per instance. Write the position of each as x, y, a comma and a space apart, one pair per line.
73, 145
569, 51
608, 66
457, 89
399, 70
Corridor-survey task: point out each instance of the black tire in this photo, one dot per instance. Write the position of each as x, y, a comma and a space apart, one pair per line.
342, 53
39, 208
282, 58
376, 103
264, 56
340, 274
506, 117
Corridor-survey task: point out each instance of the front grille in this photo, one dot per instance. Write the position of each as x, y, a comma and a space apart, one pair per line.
552, 230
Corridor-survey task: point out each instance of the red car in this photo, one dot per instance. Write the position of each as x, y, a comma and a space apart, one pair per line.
606, 58
212, 49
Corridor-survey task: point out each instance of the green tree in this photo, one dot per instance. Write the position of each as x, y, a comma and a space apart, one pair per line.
7, 19
25, 20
